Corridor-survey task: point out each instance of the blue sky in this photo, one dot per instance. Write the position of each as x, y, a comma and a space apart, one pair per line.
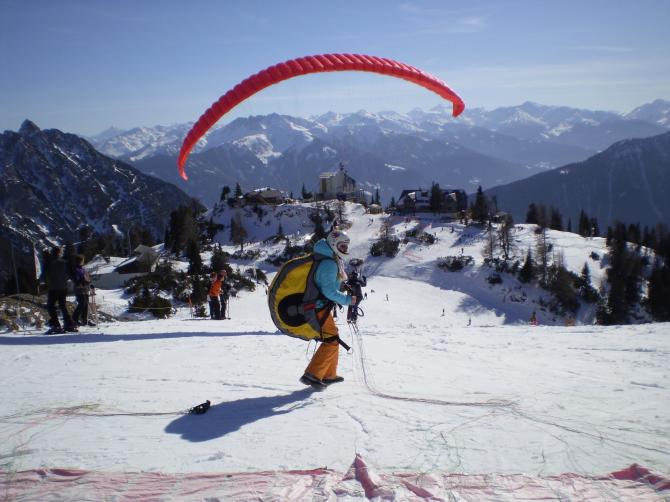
84, 65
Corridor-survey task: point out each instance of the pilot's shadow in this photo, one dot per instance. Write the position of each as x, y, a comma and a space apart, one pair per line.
229, 416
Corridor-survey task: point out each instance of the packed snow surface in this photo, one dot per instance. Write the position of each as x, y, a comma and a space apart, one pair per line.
438, 384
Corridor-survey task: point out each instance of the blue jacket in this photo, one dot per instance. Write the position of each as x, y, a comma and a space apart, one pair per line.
326, 276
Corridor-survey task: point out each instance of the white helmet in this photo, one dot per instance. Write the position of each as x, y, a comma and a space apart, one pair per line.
338, 242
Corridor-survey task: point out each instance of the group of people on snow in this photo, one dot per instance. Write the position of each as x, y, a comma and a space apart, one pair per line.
219, 295
56, 275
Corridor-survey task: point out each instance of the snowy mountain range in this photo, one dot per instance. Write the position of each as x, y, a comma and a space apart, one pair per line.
627, 182
54, 184
386, 150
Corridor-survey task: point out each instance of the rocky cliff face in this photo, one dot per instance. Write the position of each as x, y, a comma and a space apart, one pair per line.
53, 184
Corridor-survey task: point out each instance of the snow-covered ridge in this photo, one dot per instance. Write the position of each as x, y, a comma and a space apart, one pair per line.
540, 122
510, 302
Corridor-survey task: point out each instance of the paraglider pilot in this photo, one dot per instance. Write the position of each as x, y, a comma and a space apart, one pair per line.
322, 370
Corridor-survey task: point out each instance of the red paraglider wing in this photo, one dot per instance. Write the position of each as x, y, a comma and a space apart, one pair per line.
304, 66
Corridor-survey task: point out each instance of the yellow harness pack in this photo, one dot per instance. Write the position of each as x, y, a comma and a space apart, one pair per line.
292, 298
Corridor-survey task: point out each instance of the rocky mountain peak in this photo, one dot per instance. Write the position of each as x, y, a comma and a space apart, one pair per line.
28, 128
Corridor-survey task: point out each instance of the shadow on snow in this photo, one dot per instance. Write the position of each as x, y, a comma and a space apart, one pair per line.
229, 416
98, 338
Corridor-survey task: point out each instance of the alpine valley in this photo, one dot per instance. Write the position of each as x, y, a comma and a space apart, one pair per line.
387, 151
55, 184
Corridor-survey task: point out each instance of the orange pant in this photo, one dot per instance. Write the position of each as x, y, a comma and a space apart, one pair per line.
324, 362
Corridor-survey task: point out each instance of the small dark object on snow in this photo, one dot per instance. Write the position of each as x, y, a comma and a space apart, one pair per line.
200, 409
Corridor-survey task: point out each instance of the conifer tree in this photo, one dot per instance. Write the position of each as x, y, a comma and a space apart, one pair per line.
224, 193
556, 220
542, 219
560, 283
586, 290
181, 228
435, 201
317, 219
623, 276
527, 272
584, 228
659, 292
193, 255
199, 290
218, 260
480, 207
238, 191
593, 227
531, 214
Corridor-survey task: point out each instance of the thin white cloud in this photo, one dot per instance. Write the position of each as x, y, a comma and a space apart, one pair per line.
419, 10
592, 72
430, 21
601, 48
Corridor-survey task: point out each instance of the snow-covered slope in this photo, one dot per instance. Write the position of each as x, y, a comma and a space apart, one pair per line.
657, 112
466, 291
448, 395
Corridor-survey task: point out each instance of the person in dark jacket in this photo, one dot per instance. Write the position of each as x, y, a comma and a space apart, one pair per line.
224, 297
82, 285
56, 276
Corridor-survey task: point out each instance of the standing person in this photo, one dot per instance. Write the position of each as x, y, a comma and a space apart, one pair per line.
533, 319
328, 277
225, 294
56, 276
355, 285
82, 284
214, 292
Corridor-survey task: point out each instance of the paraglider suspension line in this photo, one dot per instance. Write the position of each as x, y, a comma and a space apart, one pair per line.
369, 384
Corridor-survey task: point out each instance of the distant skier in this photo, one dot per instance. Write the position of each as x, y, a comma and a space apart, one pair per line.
322, 369
355, 284
56, 276
533, 319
